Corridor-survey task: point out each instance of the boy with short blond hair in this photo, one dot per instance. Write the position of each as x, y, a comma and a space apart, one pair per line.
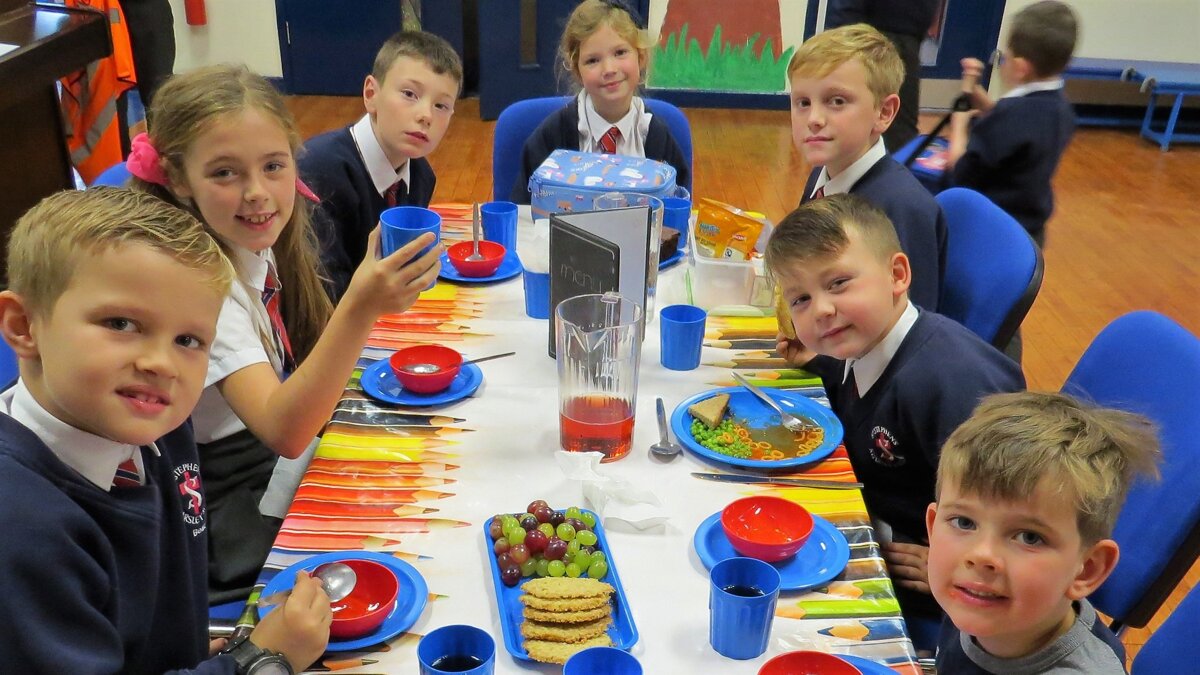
899, 379
112, 303
379, 162
844, 85
1028, 491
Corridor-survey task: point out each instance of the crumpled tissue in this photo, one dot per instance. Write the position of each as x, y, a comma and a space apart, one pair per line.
611, 498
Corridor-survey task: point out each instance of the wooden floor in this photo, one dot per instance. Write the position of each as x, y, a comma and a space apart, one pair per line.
1124, 235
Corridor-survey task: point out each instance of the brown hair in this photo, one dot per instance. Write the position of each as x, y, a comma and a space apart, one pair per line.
1044, 34
428, 48
589, 17
825, 52
48, 242
1012, 443
185, 108
820, 229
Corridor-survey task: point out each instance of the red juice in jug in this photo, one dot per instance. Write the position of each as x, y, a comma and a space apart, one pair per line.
596, 423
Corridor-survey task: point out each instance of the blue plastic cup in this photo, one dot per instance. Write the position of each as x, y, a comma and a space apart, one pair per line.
676, 212
462, 649
402, 224
537, 294
681, 335
602, 661
741, 602
499, 220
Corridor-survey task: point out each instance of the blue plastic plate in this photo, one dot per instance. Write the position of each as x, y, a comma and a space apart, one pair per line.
380, 383
410, 601
867, 666
623, 632
509, 268
675, 257
822, 557
752, 413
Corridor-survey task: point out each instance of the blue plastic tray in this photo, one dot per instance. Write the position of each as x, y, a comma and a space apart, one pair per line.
623, 632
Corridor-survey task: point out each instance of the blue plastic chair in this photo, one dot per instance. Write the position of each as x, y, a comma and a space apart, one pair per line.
116, 175
993, 268
519, 120
1145, 363
1174, 643
8, 365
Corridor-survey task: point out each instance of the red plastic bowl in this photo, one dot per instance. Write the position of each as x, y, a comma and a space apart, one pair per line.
370, 602
428, 383
807, 663
768, 528
493, 255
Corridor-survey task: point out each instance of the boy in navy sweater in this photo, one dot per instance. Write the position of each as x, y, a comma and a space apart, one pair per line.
379, 162
101, 498
899, 379
1028, 491
843, 88
1013, 149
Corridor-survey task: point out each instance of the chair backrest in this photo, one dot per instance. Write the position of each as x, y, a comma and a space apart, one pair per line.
1174, 643
993, 268
8, 365
116, 175
519, 120
1145, 363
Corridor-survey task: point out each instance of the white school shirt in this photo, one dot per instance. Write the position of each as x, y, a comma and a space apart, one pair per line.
1042, 85
868, 368
383, 174
634, 126
94, 457
844, 181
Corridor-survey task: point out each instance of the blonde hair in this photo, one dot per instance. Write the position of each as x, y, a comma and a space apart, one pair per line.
428, 48
589, 17
52, 238
1012, 443
820, 228
185, 108
825, 52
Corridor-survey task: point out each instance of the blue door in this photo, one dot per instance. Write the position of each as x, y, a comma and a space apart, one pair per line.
518, 45
329, 47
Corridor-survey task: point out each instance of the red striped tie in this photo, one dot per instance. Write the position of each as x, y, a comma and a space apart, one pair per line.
127, 475
608, 142
395, 193
270, 298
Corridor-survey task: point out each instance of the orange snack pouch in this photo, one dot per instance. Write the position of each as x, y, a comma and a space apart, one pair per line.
724, 231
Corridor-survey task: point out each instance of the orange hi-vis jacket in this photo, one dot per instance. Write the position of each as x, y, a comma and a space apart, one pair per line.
89, 97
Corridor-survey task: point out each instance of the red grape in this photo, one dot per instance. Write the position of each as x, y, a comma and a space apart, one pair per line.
544, 514
510, 575
500, 546
495, 531
505, 560
536, 541
535, 504
555, 549
519, 553
529, 521
557, 518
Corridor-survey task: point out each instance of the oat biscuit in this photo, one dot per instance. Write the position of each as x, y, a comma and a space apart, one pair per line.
566, 605
559, 652
567, 617
564, 632
561, 588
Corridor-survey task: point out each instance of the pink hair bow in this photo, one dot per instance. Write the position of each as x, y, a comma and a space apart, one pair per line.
306, 191
143, 161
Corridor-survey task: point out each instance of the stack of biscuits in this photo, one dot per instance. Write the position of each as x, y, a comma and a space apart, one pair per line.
564, 615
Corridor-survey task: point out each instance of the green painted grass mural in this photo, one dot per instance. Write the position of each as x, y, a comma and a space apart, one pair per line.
680, 63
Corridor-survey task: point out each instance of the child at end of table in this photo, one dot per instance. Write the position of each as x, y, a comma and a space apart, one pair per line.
843, 84
1028, 490
222, 143
111, 308
899, 378
605, 48
379, 161
1012, 150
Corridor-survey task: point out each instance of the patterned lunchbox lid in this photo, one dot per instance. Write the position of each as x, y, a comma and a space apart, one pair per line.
569, 179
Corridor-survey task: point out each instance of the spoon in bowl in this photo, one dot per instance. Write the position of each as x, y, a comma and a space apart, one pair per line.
338, 580
430, 368
475, 255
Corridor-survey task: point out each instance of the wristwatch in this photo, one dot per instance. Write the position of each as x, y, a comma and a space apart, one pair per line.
254, 660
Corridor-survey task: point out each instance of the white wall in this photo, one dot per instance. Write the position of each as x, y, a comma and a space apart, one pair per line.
1145, 30
238, 31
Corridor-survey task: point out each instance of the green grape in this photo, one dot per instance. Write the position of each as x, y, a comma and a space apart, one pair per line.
543, 567
515, 536
573, 512
585, 538
565, 532
574, 570
588, 519
556, 568
547, 529
572, 548
598, 555
597, 569
508, 522
583, 559
528, 567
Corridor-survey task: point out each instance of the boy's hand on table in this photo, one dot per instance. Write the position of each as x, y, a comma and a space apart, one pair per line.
299, 628
793, 351
908, 565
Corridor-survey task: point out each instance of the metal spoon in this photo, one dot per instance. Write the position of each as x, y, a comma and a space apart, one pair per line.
475, 256
665, 448
428, 368
790, 421
337, 579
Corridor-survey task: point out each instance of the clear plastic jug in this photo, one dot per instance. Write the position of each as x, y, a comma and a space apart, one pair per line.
598, 350
623, 200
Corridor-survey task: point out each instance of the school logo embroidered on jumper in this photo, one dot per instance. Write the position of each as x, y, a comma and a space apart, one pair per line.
883, 448
191, 491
